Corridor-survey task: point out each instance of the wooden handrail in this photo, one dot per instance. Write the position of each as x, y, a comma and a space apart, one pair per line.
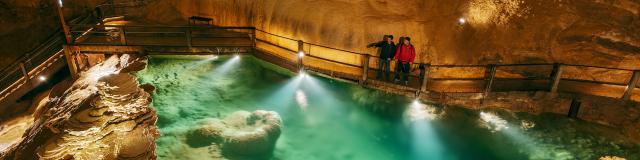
55, 39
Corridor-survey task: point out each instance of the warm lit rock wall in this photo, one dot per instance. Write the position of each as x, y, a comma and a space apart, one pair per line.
27, 23
594, 32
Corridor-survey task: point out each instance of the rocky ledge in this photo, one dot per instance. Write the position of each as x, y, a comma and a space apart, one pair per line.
105, 114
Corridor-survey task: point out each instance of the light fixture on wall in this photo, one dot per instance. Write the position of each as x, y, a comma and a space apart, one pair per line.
462, 21
300, 54
42, 78
60, 3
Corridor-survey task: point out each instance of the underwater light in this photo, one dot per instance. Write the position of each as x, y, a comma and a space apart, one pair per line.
302, 73
420, 111
42, 78
415, 102
462, 20
236, 56
213, 57
493, 121
301, 98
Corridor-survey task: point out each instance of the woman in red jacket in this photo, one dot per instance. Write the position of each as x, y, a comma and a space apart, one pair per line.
405, 54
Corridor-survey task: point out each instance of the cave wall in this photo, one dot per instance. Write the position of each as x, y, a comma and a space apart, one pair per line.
594, 32
27, 23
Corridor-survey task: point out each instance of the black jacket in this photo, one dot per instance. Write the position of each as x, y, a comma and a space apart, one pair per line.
386, 50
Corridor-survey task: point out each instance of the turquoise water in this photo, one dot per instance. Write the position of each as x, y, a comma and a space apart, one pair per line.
325, 119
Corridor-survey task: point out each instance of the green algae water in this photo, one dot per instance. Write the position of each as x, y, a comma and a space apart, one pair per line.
325, 119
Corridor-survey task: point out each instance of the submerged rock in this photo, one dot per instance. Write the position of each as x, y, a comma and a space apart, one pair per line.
240, 134
251, 133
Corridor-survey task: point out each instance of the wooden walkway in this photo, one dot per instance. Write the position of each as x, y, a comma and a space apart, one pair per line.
296, 55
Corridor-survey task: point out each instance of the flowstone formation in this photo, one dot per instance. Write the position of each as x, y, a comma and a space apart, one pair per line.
103, 115
241, 134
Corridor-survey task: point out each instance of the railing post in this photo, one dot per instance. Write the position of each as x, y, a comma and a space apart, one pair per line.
300, 54
255, 37
555, 78
574, 109
70, 61
492, 75
365, 68
632, 85
188, 34
425, 78
24, 71
123, 39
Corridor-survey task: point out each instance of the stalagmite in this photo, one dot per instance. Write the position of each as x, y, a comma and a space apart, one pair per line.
103, 115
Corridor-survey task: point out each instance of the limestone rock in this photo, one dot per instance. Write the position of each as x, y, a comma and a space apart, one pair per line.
240, 134
103, 115
251, 133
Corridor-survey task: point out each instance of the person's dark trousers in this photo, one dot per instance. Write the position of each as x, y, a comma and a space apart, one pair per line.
384, 67
402, 68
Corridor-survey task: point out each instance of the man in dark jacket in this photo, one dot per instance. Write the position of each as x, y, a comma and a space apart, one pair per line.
387, 52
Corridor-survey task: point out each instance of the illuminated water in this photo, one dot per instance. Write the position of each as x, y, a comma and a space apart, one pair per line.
330, 120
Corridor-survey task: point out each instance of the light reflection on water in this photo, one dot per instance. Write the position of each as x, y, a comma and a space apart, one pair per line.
326, 119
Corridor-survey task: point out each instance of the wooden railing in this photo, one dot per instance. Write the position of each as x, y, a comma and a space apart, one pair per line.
176, 36
457, 78
340, 63
29, 65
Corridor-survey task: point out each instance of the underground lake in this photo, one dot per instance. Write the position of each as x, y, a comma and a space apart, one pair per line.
328, 119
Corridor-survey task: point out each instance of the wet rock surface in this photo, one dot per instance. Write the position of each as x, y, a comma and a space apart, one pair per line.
601, 110
103, 115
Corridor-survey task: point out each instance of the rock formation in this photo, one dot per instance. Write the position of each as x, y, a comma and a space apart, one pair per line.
103, 115
241, 134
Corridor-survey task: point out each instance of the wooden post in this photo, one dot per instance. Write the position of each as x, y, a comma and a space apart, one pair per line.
365, 68
300, 54
425, 79
574, 109
24, 71
71, 63
632, 85
188, 34
123, 39
255, 38
65, 28
555, 78
492, 76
